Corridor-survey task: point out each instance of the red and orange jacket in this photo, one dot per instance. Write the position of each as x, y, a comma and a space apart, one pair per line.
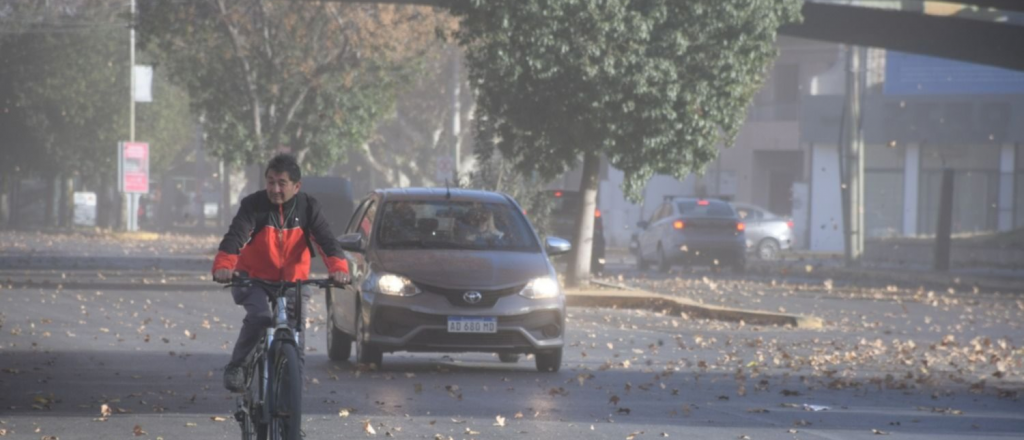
261, 244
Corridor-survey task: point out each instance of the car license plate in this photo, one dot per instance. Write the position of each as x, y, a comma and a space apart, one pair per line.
472, 324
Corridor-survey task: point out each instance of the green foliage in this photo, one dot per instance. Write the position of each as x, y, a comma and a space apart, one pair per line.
66, 89
654, 85
494, 173
311, 77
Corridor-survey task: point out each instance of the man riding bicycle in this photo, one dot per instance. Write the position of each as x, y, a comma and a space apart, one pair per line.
271, 238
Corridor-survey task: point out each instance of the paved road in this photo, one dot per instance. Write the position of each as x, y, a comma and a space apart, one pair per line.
894, 362
155, 357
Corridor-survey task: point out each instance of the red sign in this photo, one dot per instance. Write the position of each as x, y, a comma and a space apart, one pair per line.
134, 167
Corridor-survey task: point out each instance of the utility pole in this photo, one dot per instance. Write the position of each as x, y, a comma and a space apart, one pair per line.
128, 200
854, 160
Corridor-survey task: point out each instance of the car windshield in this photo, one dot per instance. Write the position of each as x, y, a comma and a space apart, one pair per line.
705, 208
455, 225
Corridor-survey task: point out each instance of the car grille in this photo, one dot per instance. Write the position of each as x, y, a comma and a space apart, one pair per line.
438, 338
397, 322
455, 296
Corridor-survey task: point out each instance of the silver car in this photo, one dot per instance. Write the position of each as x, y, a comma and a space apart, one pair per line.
692, 231
767, 234
447, 271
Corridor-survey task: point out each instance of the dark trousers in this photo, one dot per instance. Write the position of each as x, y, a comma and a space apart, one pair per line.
258, 318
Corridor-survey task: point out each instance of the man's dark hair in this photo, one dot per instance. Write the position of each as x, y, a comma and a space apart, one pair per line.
285, 163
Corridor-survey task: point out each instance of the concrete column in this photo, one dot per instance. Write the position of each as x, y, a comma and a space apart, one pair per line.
1007, 161
911, 181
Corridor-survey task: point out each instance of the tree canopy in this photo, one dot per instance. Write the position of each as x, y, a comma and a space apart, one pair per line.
654, 85
65, 91
310, 77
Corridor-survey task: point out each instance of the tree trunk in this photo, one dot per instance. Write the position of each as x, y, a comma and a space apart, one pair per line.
579, 264
5, 200
49, 213
103, 201
225, 196
67, 201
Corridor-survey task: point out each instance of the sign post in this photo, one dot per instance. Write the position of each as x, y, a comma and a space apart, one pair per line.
133, 176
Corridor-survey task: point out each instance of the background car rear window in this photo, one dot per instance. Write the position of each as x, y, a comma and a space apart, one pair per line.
454, 225
713, 208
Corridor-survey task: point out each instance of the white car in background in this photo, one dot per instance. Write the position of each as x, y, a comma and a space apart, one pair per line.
768, 235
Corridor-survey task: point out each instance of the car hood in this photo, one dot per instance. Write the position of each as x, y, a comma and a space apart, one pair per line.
462, 268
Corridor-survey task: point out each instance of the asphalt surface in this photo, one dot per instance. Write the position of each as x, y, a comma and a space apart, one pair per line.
893, 362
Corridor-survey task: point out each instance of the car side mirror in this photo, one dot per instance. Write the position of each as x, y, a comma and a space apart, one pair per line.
557, 246
351, 242
642, 224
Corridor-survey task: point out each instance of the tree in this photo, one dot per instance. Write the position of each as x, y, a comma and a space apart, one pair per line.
313, 78
653, 85
419, 130
65, 72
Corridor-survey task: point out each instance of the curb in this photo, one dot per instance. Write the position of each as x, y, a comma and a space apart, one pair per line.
639, 299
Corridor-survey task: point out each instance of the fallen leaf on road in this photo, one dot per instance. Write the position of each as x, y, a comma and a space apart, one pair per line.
344, 412
368, 427
879, 432
500, 421
138, 431
219, 419
472, 432
105, 410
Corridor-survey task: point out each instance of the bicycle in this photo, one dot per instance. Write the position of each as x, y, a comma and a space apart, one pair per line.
271, 406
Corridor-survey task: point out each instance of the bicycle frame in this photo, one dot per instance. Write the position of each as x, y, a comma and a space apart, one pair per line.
279, 329
262, 358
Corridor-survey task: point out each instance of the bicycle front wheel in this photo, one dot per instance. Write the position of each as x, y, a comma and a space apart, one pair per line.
286, 393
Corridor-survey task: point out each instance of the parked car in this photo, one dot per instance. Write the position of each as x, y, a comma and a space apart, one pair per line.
768, 235
564, 211
442, 270
692, 231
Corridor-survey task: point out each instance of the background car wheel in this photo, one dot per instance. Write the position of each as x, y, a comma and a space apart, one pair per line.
768, 249
663, 264
339, 343
739, 266
549, 361
641, 265
596, 266
366, 353
508, 358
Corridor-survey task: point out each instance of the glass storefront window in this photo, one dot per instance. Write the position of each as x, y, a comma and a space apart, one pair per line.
883, 190
975, 186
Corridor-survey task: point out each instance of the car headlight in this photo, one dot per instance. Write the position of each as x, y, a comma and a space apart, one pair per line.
543, 287
390, 284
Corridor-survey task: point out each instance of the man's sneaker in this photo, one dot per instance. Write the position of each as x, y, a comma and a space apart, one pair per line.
234, 379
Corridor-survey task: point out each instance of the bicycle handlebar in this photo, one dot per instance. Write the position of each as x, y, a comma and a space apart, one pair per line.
242, 281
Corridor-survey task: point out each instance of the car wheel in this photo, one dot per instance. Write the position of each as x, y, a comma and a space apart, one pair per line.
366, 353
641, 264
663, 264
339, 343
768, 249
508, 358
596, 266
740, 265
549, 361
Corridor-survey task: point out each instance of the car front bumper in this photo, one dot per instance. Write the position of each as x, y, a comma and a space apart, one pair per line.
420, 323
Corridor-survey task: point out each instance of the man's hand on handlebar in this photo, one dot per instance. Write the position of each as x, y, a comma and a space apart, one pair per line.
341, 278
223, 276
